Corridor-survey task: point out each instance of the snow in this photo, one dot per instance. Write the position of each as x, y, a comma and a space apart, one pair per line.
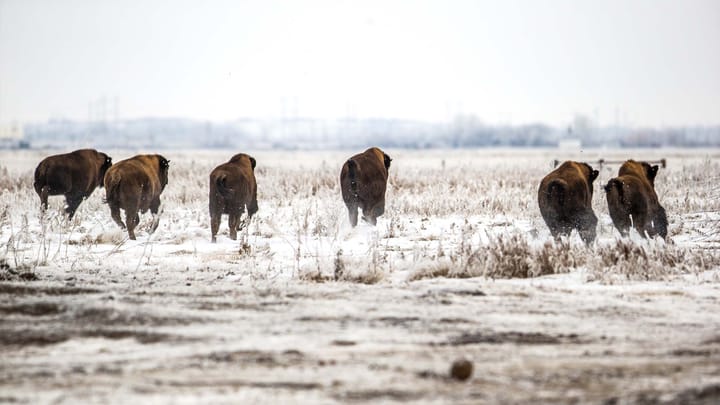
304, 308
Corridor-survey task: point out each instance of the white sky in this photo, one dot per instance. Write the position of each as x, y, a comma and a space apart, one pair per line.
646, 62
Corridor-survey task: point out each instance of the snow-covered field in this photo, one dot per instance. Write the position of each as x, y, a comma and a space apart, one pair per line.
303, 308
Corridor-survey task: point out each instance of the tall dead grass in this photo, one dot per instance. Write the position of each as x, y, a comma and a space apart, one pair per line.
650, 260
513, 256
508, 256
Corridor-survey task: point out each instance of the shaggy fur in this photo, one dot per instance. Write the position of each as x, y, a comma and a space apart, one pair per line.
232, 188
363, 181
633, 202
135, 185
565, 200
74, 175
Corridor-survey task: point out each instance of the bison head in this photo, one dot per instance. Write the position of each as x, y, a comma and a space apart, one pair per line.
650, 172
387, 160
105, 163
591, 174
163, 168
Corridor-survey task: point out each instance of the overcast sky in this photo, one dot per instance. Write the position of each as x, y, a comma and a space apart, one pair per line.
641, 62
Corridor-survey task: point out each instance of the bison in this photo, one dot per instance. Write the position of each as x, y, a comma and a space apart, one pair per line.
565, 199
632, 201
74, 175
135, 185
363, 180
232, 188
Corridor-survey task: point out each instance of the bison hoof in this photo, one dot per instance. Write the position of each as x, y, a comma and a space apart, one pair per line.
213, 239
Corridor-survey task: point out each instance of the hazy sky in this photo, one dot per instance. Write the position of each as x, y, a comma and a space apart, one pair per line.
644, 62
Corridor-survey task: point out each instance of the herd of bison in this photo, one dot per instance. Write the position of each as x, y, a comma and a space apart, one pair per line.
135, 185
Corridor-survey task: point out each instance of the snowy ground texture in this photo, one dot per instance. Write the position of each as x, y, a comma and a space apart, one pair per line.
302, 308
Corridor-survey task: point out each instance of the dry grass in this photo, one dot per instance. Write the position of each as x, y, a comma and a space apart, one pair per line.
513, 256
647, 260
509, 256
463, 213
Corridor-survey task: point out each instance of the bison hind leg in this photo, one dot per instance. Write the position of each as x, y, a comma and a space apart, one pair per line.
379, 209
352, 214
369, 214
115, 214
234, 223
622, 223
155, 223
369, 217
155, 211
214, 225
155, 205
660, 223
252, 208
554, 231
559, 228
72, 202
132, 219
586, 226
641, 225
43, 193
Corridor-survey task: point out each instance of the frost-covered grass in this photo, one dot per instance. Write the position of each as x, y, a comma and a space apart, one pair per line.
449, 213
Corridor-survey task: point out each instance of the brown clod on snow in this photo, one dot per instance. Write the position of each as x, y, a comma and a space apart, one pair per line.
461, 369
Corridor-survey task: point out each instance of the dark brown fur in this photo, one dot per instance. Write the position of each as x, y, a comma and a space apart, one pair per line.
232, 188
135, 185
363, 180
74, 175
633, 202
565, 199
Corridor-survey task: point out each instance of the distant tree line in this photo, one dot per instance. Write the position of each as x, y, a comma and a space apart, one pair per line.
303, 133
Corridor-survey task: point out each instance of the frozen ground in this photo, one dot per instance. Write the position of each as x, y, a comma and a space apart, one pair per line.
304, 309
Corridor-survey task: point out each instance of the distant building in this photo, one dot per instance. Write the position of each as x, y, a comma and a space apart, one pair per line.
12, 136
570, 144
571, 140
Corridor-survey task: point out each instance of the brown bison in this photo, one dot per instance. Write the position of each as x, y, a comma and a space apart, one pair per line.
232, 188
565, 199
363, 180
135, 185
74, 175
632, 200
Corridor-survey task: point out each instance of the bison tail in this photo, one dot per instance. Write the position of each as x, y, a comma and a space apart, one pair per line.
222, 188
556, 193
352, 176
40, 178
615, 187
661, 223
112, 186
